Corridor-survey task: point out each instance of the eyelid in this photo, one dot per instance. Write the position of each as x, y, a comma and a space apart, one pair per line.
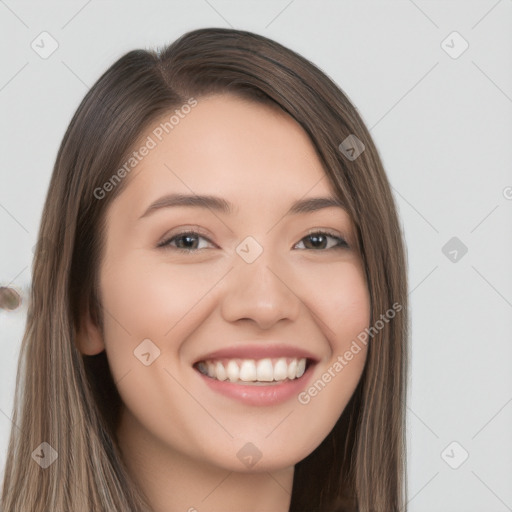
327, 231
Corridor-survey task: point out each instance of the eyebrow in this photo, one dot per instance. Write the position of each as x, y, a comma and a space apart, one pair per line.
221, 205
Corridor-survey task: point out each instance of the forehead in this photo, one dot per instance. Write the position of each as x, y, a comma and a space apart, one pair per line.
229, 146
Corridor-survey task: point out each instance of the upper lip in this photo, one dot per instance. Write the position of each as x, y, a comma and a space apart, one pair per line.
258, 351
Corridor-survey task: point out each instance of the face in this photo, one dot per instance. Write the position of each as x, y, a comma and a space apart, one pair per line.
247, 294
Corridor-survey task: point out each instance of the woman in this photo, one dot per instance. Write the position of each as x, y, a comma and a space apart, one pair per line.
265, 368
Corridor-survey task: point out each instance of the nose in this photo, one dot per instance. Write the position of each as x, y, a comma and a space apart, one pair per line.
261, 292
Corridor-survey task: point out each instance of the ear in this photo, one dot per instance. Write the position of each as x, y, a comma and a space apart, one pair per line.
89, 338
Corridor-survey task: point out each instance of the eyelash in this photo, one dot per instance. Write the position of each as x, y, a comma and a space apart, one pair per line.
342, 244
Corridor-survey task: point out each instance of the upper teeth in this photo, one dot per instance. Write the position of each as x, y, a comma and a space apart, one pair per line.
249, 370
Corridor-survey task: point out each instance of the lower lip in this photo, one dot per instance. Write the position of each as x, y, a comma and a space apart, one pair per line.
271, 394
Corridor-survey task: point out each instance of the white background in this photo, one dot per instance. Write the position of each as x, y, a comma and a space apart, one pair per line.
443, 128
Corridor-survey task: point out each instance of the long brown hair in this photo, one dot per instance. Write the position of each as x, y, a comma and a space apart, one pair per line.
70, 401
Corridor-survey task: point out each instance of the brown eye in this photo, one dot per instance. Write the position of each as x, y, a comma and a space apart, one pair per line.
185, 241
320, 240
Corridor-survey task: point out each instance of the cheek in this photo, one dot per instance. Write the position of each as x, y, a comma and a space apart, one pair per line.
159, 301
163, 303
144, 301
341, 305
148, 299
338, 297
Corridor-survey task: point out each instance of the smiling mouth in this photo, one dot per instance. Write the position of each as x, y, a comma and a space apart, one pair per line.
256, 372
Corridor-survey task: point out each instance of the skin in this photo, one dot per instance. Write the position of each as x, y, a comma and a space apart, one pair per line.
178, 438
